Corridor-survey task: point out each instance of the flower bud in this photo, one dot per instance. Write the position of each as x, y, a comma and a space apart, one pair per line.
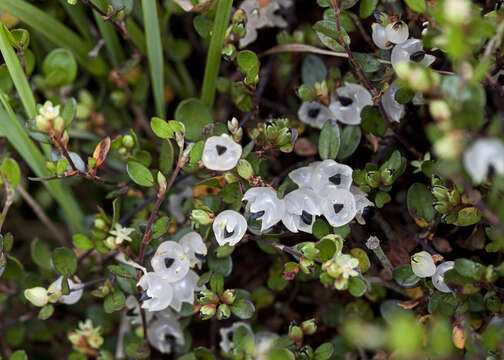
128, 141
208, 311
373, 178
37, 296
244, 169
122, 150
440, 110
207, 297
439, 192
230, 178
42, 123
233, 125
161, 180
306, 265
295, 333
223, 312
305, 93
309, 327
54, 294
59, 125
228, 296
201, 217
239, 17
99, 223
422, 264
229, 52
110, 242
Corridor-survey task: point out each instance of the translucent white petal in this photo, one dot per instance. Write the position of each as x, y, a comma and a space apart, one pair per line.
264, 205
229, 227
330, 172
158, 289
221, 153
226, 343
193, 244
438, 277
338, 205
422, 264
170, 261
74, 296
394, 110
164, 334
397, 32
379, 37
303, 175
314, 114
349, 102
482, 155
411, 51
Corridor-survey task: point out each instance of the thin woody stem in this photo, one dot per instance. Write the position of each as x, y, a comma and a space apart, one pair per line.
91, 283
367, 83
284, 248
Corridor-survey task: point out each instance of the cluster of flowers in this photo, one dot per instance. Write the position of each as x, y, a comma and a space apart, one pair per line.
325, 188
423, 266
173, 281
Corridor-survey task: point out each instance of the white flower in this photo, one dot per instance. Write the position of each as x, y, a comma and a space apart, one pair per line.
349, 102
264, 204
37, 296
301, 207
158, 292
264, 341
337, 205
361, 202
411, 51
49, 111
261, 14
330, 172
314, 114
194, 248
221, 153
422, 264
302, 176
397, 32
229, 227
482, 157
438, 277
379, 37
394, 110
121, 233
163, 334
183, 290
73, 283
170, 261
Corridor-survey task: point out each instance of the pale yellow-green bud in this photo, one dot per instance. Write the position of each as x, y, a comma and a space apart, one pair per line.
54, 294
244, 169
37, 296
440, 110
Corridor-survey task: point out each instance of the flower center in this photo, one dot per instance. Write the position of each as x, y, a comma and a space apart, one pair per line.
227, 233
168, 262
256, 215
417, 56
200, 257
220, 149
306, 217
335, 179
345, 101
131, 312
313, 113
397, 26
170, 339
337, 208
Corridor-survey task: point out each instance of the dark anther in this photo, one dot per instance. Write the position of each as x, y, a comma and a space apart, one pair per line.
397, 25
337, 208
256, 215
131, 312
199, 295
335, 179
144, 296
168, 262
227, 233
345, 101
417, 56
220, 149
170, 339
306, 217
491, 172
367, 212
500, 79
200, 257
313, 113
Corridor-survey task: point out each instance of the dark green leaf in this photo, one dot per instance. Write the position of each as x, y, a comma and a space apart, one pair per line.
64, 261
372, 121
46, 312
404, 95
367, 62
140, 174
40, 254
350, 140
404, 276
313, 70
82, 242
242, 308
419, 200
329, 140
323, 352
327, 32
194, 114
356, 286
222, 266
367, 7
114, 302
120, 271
417, 5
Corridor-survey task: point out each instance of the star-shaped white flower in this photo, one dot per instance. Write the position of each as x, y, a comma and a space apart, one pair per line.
121, 234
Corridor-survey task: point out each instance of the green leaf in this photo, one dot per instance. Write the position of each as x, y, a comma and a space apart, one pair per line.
196, 152
326, 248
280, 354
220, 25
194, 114
167, 157
417, 5
243, 340
420, 200
69, 111
313, 70
120, 271
222, 266
350, 140
327, 32
466, 267
57, 33
40, 254
140, 174
114, 302
404, 95
154, 53
19, 355
13, 270
404, 276
10, 170
246, 60
64, 261
356, 286
367, 62
372, 121
242, 308
46, 312
203, 26
320, 228
329, 140
161, 128
82, 242
468, 216
367, 7
59, 68
217, 283
324, 351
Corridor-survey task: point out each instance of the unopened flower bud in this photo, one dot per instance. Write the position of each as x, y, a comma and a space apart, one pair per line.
239, 16
223, 312
99, 223
207, 297
128, 141
295, 333
244, 169
42, 123
306, 265
37, 296
161, 180
229, 52
54, 294
110, 242
228, 296
59, 124
201, 217
233, 125
440, 110
208, 311
309, 327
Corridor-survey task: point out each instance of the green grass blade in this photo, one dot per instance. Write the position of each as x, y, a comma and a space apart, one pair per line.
17, 74
109, 34
221, 23
136, 34
57, 33
154, 53
16, 135
79, 18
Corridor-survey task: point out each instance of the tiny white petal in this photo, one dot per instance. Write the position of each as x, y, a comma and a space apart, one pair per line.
74, 296
170, 261
422, 264
438, 277
482, 155
302, 176
337, 205
314, 114
183, 290
411, 51
349, 102
394, 110
301, 208
193, 244
330, 172
397, 32
221, 153
229, 227
163, 334
158, 289
379, 37
264, 205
